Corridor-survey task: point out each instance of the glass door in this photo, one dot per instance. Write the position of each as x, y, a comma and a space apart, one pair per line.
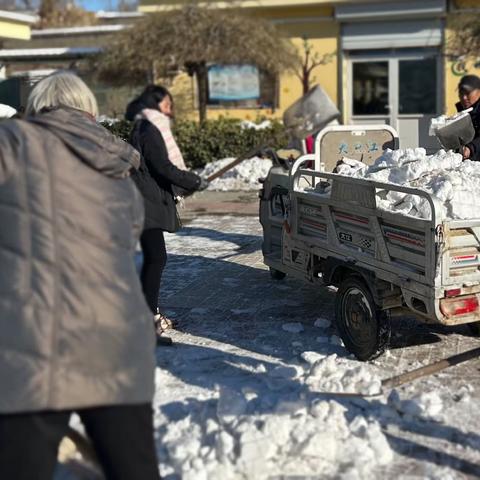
418, 101
370, 90
401, 89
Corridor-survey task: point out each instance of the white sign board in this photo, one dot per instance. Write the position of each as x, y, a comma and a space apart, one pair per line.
233, 82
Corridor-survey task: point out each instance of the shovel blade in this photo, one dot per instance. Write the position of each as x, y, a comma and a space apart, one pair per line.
310, 113
457, 133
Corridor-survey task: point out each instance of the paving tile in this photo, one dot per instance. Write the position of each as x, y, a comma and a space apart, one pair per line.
215, 274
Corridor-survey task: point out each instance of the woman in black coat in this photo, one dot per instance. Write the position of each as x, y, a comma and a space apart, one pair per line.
156, 180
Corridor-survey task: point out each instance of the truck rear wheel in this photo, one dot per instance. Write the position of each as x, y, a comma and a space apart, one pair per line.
277, 274
364, 328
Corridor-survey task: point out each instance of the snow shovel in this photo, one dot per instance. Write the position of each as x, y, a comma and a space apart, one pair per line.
412, 375
249, 154
308, 115
456, 132
431, 368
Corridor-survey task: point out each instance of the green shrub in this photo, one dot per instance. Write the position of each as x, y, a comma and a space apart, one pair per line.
120, 128
201, 144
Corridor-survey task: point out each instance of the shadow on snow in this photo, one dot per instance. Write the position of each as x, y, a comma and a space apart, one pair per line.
239, 305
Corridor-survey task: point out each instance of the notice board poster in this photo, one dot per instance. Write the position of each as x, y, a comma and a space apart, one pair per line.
233, 82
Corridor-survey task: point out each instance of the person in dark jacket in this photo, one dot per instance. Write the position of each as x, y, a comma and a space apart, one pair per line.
76, 332
162, 170
469, 95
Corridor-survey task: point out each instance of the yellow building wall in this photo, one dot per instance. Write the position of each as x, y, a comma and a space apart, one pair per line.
456, 68
322, 35
11, 29
466, 3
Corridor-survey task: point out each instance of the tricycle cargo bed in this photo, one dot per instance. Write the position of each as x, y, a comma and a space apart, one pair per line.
461, 252
328, 229
335, 229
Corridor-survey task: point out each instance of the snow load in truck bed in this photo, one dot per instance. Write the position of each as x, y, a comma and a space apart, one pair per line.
454, 184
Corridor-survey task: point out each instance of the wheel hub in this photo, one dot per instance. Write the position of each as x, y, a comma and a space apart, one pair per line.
358, 317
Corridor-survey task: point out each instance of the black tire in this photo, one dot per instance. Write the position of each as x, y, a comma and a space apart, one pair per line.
474, 329
277, 274
364, 329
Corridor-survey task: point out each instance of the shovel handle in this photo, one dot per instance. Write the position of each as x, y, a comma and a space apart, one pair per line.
235, 162
431, 369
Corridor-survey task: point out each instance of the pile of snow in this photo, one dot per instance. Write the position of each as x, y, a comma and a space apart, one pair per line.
256, 126
242, 177
454, 184
279, 429
6, 111
336, 374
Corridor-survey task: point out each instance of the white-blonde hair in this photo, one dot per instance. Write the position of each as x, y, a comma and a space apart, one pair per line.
61, 89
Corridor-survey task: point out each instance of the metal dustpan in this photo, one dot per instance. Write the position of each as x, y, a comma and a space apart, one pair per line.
310, 113
456, 132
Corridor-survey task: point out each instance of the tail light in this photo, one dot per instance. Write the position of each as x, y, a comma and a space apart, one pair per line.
451, 307
453, 292
462, 260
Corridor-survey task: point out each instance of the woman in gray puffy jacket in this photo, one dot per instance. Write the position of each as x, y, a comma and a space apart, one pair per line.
75, 332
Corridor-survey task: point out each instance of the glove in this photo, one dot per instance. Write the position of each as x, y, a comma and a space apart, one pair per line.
203, 184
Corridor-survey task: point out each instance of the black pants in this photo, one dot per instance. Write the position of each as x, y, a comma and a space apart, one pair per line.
154, 261
121, 435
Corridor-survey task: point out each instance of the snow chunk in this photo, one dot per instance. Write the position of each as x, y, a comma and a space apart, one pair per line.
311, 357
284, 371
333, 374
231, 404
425, 405
336, 340
224, 446
322, 323
294, 327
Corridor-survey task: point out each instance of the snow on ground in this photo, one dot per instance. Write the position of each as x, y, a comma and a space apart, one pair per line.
454, 184
242, 177
242, 397
277, 425
238, 396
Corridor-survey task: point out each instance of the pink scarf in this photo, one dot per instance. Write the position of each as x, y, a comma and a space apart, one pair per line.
162, 122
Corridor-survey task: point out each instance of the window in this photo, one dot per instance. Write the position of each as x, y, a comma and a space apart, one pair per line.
417, 86
370, 88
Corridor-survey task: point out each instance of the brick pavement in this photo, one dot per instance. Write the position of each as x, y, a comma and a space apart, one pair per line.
215, 274
219, 203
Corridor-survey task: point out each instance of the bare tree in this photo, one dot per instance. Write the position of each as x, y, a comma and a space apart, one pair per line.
55, 13
308, 62
191, 39
463, 41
